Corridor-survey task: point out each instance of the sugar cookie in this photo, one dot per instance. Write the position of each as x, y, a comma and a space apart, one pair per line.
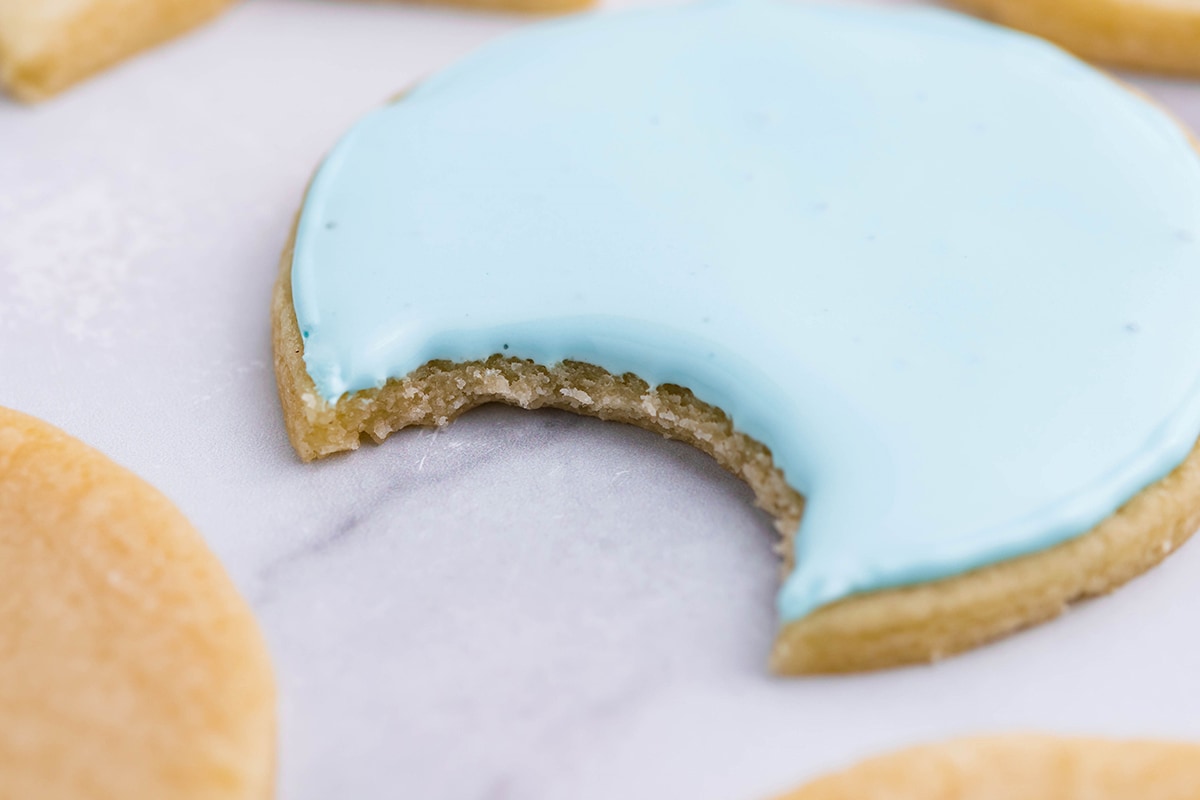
48, 45
1020, 768
1141, 34
934, 276
131, 668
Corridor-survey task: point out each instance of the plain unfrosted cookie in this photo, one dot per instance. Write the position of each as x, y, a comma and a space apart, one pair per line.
129, 665
1155, 35
943, 328
48, 45
1020, 768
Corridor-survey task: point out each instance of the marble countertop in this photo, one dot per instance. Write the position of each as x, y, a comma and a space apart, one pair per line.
522, 605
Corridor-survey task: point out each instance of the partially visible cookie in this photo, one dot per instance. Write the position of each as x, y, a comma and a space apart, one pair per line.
943, 328
1020, 768
129, 665
48, 45
1139, 34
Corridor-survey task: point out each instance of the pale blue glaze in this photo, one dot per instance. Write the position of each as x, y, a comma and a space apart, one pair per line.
948, 274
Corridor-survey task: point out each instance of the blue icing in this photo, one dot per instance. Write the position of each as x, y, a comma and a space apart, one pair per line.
947, 273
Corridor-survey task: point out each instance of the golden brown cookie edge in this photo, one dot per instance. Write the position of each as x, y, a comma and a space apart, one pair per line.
889, 628
48, 58
877, 630
1148, 36
1019, 767
140, 670
37, 64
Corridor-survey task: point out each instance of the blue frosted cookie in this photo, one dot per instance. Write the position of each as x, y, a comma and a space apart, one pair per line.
928, 285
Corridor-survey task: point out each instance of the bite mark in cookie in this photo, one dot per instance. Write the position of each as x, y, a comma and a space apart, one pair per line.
932, 276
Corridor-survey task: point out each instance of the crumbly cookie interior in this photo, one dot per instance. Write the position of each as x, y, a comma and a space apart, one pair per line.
876, 630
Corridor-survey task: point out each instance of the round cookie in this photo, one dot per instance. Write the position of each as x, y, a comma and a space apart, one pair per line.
1019, 768
1139, 34
922, 282
131, 666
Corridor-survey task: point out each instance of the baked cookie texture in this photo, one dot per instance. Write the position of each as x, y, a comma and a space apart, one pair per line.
1148, 35
893, 627
47, 46
131, 667
418, 192
1019, 768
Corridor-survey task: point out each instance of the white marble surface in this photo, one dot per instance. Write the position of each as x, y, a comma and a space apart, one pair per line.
523, 605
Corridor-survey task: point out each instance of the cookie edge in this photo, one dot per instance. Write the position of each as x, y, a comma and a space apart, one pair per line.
91, 42
1142, 36
251, 679
1032, 765
907, 625
110, 32
876, 630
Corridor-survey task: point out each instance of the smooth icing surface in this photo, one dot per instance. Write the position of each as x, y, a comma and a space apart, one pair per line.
948, 274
